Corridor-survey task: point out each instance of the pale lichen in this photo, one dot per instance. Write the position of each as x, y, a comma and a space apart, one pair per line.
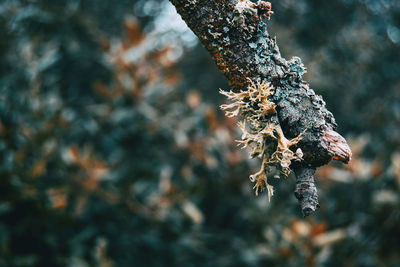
243, 9
246, 9
263, 135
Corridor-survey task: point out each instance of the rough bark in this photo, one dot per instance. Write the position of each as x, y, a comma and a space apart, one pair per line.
306, 191
235, 34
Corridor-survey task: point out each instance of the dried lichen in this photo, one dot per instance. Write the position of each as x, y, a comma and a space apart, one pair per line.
263, 136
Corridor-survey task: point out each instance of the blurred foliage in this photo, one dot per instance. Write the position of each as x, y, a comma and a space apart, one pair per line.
113, 151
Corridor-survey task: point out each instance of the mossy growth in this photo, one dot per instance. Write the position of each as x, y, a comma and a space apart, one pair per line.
261, 132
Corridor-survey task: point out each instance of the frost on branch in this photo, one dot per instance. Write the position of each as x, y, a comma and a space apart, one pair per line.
261, 132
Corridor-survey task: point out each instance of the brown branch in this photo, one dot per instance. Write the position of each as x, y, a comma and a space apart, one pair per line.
235, 34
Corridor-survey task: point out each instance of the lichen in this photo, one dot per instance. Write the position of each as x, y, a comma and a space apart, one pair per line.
247, 10
296, 66
215, 35
261, 132
191, 3
243, 10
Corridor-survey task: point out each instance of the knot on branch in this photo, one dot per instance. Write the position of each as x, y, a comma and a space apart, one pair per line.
335, 144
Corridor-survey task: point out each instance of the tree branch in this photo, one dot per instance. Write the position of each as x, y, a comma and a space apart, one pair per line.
235, 34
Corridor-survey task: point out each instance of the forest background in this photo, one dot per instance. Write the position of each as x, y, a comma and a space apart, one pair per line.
113, 150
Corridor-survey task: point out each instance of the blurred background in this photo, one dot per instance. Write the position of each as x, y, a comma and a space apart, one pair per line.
113, 150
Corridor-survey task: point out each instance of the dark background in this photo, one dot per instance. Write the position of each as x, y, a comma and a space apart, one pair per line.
113, 151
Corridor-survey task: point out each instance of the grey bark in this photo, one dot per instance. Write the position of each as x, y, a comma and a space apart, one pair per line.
237, 38
306, 191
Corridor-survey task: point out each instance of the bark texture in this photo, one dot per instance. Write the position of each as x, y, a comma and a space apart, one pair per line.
306, 191
236, 36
